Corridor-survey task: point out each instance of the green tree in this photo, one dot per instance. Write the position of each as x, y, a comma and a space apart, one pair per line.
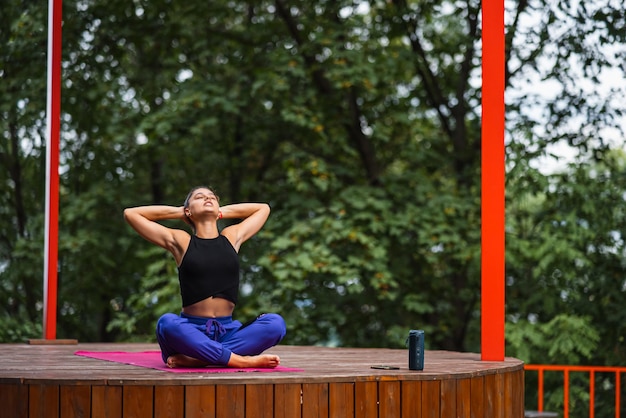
565, 270
22, 39
360, 124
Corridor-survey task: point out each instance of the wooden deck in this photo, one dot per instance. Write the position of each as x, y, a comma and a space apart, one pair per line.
49, 381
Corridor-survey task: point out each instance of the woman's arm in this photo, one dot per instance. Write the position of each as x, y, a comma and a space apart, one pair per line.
144, 219
253, 217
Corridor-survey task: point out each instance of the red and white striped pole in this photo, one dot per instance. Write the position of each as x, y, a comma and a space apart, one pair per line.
53, 131
492, 183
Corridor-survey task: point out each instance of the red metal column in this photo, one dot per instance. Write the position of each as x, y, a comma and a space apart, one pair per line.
492, 182
52, 166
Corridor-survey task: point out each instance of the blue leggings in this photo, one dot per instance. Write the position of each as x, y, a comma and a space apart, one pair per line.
214, 339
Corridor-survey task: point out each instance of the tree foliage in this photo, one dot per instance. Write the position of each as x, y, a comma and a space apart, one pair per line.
359, 122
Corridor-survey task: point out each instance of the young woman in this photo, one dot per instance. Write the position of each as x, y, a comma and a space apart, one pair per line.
208, 270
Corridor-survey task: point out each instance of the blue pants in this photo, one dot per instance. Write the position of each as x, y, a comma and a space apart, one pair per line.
214, 339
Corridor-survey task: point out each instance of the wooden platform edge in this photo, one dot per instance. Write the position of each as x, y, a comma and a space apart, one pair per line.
52, 342
50, 381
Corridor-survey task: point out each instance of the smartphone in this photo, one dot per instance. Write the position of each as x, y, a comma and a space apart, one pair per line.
385, 367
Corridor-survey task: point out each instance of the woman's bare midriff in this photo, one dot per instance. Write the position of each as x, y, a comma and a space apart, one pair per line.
210, 308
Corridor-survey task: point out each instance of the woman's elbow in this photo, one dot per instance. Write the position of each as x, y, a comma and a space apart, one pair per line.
128, 214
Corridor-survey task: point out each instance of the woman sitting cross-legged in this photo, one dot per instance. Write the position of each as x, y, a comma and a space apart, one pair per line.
204, 333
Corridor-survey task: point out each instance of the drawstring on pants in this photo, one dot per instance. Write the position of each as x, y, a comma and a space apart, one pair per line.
215, 327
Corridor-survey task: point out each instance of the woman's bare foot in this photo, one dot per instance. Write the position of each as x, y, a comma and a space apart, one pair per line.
267, 361
181, 360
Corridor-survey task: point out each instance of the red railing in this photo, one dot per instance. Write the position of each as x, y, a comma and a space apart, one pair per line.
540, 368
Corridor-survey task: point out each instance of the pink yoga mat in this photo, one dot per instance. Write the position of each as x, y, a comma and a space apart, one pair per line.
152, 360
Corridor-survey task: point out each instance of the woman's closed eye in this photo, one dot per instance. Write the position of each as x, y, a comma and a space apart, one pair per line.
204, 196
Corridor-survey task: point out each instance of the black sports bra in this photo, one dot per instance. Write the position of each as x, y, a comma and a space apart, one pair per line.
210, 267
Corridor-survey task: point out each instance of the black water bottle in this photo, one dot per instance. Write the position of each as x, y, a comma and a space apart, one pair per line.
416, 349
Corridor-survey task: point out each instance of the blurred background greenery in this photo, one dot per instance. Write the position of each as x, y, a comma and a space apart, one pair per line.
359, 123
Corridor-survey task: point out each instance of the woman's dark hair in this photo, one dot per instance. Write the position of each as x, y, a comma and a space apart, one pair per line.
186, 203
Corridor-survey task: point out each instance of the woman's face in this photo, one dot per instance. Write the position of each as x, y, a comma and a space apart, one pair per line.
203, 200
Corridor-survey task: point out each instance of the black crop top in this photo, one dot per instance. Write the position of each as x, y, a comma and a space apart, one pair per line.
210, 267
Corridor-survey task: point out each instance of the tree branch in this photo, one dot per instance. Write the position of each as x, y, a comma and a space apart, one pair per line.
433, 93
359, 140
509, 36
459, 111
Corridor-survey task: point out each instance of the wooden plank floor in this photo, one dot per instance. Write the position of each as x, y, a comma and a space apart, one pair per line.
50, 381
